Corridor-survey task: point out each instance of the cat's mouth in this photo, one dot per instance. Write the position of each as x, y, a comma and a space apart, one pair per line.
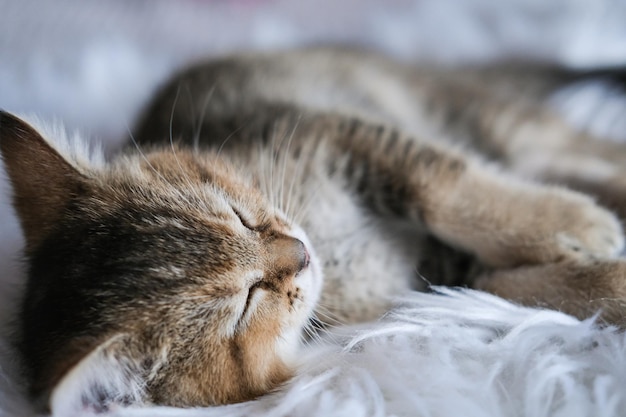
310, 277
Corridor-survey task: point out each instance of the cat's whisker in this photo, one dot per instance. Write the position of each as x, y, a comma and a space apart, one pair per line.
327, 325
301, 207
285, 205
230, 135
312, 335
309, 332
296, 177
263, 183
171, 121
200, 199
191, 107
280, 155
267, 173
330, 319
200, 122
141, 153
312, 195
171, 138
321, 334
272, 161
147, 161
143, 156
264, 173
199, 297
331, 309
306, 204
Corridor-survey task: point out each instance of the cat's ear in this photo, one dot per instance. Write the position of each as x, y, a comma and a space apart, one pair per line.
43, 181
106, 377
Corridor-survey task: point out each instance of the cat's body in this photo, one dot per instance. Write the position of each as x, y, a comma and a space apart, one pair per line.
267, 112
191, 264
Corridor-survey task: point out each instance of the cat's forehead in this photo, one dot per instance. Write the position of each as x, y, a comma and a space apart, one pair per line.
182, 179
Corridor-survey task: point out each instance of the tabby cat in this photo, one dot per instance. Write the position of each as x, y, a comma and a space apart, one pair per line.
264, 194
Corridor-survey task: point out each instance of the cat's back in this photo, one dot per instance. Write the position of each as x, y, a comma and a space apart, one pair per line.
348, 81
344, 80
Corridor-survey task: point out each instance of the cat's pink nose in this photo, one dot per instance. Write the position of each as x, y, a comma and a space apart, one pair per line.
306, 259
302, 255
287, 255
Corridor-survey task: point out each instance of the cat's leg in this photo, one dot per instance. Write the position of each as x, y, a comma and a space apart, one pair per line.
504, 221
598, 176
528, 138
581, 162
579, 288
545, 147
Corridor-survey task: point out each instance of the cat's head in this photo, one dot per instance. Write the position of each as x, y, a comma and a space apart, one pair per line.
162, 277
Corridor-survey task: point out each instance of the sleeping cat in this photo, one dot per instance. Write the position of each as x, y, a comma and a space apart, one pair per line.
263, 195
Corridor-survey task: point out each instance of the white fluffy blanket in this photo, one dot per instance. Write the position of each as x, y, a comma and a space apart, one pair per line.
92, 63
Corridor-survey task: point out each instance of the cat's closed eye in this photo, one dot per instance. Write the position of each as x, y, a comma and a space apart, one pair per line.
243, 220
252, 290
249, 224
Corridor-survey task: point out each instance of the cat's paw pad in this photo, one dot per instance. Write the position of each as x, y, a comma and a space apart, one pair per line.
589, 230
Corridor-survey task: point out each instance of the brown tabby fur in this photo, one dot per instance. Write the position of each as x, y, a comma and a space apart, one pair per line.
181, 264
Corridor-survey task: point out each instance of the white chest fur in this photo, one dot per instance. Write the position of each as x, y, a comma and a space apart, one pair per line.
367, 261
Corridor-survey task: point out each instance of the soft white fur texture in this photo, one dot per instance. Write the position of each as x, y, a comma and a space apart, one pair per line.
92, 64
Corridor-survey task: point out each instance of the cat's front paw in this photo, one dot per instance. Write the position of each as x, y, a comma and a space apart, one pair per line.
506, 223
584, 229
540, 225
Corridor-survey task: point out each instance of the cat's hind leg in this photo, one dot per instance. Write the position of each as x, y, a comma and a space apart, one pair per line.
579, 288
